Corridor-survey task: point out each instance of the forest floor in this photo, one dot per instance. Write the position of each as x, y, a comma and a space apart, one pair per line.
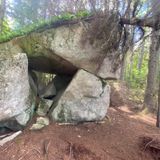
118, 137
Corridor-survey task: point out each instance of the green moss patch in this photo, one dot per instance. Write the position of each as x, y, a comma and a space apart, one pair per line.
43, 25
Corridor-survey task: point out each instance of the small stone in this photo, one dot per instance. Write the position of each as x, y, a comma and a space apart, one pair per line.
37, 126
43, 120
40, 123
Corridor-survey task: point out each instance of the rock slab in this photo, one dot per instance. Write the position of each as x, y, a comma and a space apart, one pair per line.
86, 98
14, 85
65, 49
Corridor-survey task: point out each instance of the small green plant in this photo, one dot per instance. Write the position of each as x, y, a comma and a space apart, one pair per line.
82, 14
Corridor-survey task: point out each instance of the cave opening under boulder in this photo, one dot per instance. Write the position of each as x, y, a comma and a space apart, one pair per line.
48, 80
47, 89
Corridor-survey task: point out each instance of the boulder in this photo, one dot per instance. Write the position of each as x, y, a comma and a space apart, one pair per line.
86, 98
44, 106
24, 117
14, 85
9, 125
65, 49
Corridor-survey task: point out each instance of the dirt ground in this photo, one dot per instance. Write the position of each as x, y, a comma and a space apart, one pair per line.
118, 137
115, 139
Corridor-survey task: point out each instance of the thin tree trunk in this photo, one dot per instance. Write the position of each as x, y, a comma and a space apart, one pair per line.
141, 56
150, 93
123, 68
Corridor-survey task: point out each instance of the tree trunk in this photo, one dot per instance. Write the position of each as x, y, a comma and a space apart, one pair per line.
123, 68
150, 93
158, 109
158, 112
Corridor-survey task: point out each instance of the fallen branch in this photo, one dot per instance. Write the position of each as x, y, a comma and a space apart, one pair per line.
9, 138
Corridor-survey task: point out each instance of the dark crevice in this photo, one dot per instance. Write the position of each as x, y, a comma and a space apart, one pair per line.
51, 65
48, 87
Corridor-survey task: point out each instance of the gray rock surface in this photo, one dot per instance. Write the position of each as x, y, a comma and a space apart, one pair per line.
14, 85
86, 98
64, 49
24, 117
44, 107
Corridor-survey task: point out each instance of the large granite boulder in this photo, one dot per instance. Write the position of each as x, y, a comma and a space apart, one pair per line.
15, 102
65, 49
86, 98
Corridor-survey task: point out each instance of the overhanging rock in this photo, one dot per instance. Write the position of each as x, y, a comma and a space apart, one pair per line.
86, 98
65, 49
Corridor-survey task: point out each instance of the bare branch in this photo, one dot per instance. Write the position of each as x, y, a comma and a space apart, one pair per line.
152, 22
